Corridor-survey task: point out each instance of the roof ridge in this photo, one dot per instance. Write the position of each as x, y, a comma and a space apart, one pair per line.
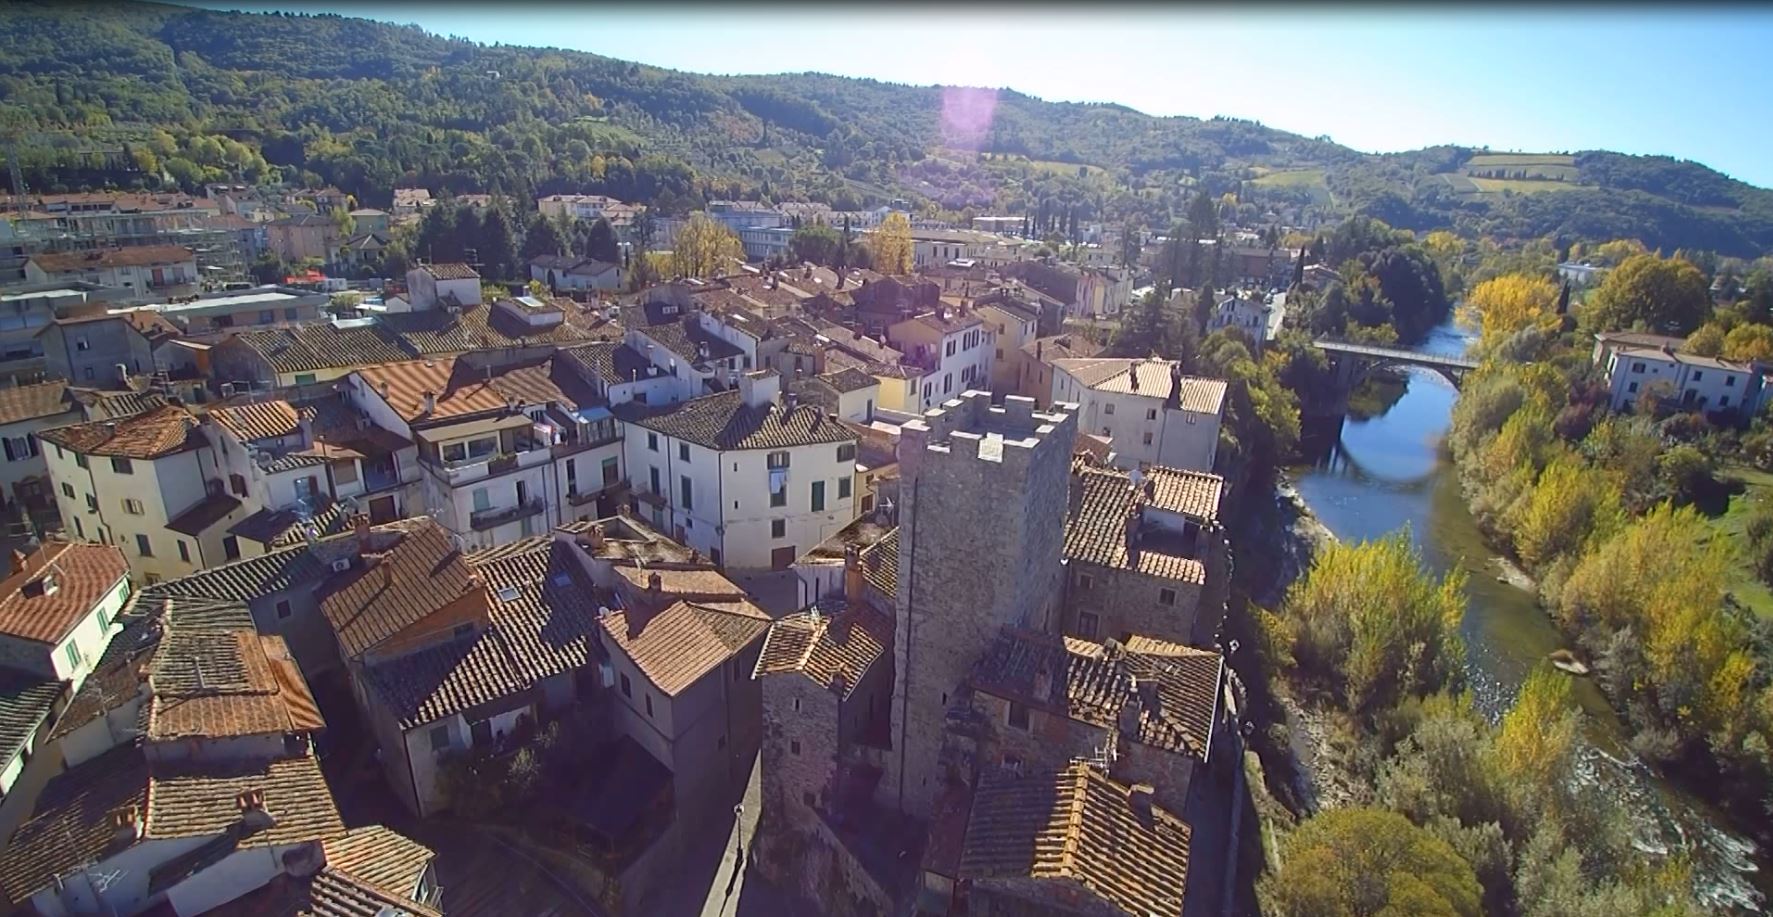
1074, 819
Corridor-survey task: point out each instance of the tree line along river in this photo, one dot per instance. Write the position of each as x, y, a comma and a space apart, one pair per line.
1389, 470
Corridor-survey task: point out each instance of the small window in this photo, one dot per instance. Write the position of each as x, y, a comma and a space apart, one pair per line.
67, 490
184, 552
1631, 388
843, 488
132, 506
1084, 581
779, 498
82, 344
652, 442
1018, 716
649, 705
627, 687
797, 705
794, 747
1086, 625
1108, 409
122, 465
1151, 413
1697, 375
231, 548
72, 652
283, 609
818, 496
1729, 381
683, 452
846, 452
1637, 367
777, 460
778, 528
305, 378
1146, 437
80, 460
143, 546
1166, 596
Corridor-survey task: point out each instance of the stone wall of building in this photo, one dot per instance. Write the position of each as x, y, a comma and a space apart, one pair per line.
800, 736
1050, 742
1124, 602
1168, 772
982, 520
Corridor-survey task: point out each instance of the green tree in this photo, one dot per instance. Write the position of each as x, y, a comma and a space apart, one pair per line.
1708, 341
1370, 616
600, 243
1749, 342
541, 237
1660, 294
497, 245
815, 243
1366, 863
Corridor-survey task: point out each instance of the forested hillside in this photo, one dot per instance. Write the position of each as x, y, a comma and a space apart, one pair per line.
95, 95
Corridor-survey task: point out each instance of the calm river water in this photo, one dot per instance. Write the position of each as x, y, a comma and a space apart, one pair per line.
1388, 471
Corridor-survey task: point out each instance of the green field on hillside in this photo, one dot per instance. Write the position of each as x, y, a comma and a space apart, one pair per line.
1744, 584
1290, 178
1487, 160
1520, 185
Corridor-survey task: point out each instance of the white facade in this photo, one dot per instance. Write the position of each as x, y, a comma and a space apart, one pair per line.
952, 360
128, 502
425, 290
1143, 429
1694, 382
1011, 330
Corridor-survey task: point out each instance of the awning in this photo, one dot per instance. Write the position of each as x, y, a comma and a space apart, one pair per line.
454, 431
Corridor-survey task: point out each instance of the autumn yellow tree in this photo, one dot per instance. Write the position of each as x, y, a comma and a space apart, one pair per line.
1537, 737
1748, 342
704, 248
1443, 244
890, 246
1562, 511
1708, 341
1618, 250
1506, 304
1664, 295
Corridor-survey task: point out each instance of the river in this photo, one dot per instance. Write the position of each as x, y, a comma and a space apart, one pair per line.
1388, 471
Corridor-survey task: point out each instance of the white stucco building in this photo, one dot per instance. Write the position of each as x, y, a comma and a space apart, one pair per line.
953, 351
1150, 411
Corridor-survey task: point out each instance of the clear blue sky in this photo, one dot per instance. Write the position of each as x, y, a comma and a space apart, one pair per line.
1686, 83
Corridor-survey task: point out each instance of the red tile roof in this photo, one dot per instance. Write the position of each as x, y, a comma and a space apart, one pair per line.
158, 432
83, 574
130, 256
264, 420
677, 645
419, 575
29, 402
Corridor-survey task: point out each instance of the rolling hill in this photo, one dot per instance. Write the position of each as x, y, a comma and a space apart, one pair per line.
142, 93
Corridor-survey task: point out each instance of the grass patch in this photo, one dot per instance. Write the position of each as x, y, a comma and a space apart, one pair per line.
1291, 178
1484, 160
1731, 525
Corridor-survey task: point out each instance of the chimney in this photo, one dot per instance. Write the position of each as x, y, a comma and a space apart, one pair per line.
19, 561
1175, 397
384, 388
655, 588
1139, 796
126, 825
1130, 710
1132, 533
387, 565
430, 402
1043, 683
360, 525
1038, 347
1133, 375
760, 388
852, 574
596, 537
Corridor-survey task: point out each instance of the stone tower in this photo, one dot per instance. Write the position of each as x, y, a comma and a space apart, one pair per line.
981, 529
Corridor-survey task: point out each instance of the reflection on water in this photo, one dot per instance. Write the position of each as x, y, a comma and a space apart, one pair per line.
1385, 472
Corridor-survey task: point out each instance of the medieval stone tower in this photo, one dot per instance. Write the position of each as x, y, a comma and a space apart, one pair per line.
981, 530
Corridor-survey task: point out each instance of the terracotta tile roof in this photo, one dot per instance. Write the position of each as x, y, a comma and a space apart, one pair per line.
380, 856
323, 345
460, 387
609, 361
686, 339
436, 331
724, 422
880, 564
1078, 826
208, 511
1204, 396
263, 420
226, 683
103, 405
695, 585
1101, 503
128, 256
849, 380
424, 571
541, 620
831, 650
154, 433
29, 402
949, 323
194, 800
1093, 682
450, 271
72, 827
328, 893
1061, 347
83, 573
243, 580
25, 702
677, 645
71, 824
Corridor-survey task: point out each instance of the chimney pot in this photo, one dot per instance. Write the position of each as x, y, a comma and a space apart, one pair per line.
387, 566
655, 584
1043, 683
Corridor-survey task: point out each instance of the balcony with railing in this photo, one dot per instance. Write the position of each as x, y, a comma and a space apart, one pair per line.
482, 519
